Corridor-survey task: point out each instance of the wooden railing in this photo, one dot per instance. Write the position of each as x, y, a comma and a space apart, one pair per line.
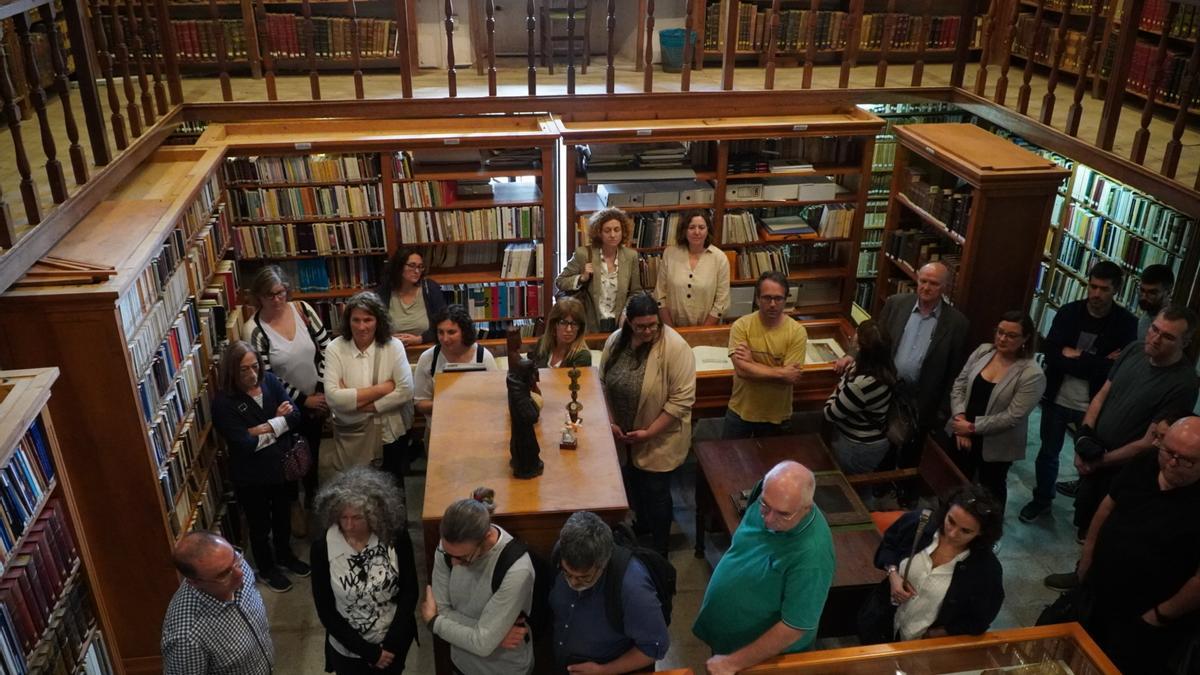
1063, 53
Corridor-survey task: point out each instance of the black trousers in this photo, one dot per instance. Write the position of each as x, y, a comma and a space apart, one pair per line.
396, 459
345, 665
310, 428
1136, 647
1093, 488
650, 492
993, 476
268, 513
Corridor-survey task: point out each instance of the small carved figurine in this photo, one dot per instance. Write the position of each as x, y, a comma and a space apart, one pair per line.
523, 409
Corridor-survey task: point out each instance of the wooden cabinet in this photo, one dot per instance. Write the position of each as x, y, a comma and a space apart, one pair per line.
138, 457
975, 202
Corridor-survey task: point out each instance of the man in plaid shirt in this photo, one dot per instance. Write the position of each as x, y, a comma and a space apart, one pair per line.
216, 623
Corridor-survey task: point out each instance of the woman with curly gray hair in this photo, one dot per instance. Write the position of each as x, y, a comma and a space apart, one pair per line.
364, 580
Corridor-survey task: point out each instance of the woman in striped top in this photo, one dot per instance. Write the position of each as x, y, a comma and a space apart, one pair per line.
858, 407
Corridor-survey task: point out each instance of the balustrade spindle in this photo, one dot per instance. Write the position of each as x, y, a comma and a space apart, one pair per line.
1060, 39
214, 16
853, 35
404, 50
106, 59
772, 37
62, 85
648, 73
918, 71
1075, 112
37, 96
168, 49
570, 47
451, 72
12, 114
87, 75
530, 27
122, 52
139, 59
885, 48
1186, 97
1141, 137
490, 9
810, 42
1110, 114
310, 51
155, 47
1027, 71
610, 25
1006, 53
356, 52
268, 55
981, 75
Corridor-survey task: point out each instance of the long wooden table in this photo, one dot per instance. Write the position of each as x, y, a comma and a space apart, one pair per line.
729, 466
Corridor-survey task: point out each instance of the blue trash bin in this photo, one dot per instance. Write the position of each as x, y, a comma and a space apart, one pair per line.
670, 42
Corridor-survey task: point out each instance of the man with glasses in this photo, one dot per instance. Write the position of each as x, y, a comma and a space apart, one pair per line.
766, 595
586, 638
767, 349
1141, 561
216, 623
484, 626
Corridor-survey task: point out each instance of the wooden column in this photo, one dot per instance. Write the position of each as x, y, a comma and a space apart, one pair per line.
1142, 136
214, 15
152, 36
610, 25
87, 71
37, 96
1010, 29
107, 61
166, 41
1186, 97
918, 71
490, 26
648, 73
122, 52
79, 165
12, 114
1075, 112
451, 71
885, 48
310, 51
989, 22
772, 39
1110, 115
962, 52
850, 49
139, 58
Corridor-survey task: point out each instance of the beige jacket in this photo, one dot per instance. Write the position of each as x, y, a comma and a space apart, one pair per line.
669, 385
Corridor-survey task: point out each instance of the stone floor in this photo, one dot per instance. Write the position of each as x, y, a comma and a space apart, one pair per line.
1028, 553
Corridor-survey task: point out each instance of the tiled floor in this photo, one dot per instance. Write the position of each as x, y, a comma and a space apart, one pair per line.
1029, 552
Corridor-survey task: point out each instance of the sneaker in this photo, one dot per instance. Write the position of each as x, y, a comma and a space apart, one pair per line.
1067, 488
296, 566
1032, 511
276, 581
1062, 582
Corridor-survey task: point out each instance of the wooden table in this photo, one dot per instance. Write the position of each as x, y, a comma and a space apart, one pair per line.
729, 466
468, 448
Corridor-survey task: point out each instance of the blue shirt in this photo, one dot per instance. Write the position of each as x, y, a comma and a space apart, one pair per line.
914, 342
582, 631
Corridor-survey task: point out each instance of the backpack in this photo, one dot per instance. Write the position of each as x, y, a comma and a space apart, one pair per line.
538, 620
662, 575
437, 351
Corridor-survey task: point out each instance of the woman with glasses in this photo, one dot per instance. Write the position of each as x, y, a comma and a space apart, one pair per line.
412, 298
990, 403
949, 582
858, 407
603, 274
649, 379
485, 628
562, 345
254, 415
364, 578
693, 277
291, 340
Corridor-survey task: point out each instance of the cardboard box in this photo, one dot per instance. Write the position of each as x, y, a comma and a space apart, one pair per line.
816, 188
744, 192
778, 190
620, 194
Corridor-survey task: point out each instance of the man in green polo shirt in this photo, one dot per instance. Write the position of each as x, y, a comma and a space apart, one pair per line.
766, 595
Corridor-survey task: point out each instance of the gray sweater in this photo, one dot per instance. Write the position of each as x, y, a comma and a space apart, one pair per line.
474, 620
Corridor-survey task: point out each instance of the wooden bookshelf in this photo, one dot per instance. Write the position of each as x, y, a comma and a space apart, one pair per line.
838, 143
136, 384
959, 194
413, 169
39, 534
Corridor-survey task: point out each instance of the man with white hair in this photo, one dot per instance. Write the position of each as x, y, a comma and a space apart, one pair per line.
767, 593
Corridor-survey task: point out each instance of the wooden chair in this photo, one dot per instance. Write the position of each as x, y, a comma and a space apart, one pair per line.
553, 14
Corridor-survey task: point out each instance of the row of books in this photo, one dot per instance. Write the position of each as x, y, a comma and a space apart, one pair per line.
753, 261
868, 263
916, 247
1108, 238
24, 480
72, 624
864, 295
315, 276
1168, 81
326, 167
1186, 24
441, 193
949, 205
175, 408
406, 163
176, 477
885, 153
1132, 254
828, 28
208, 509
522, 260
451, 258
279, 240
502, 300
907, 31
500, 222
149, 334
1035, 40
793, 153
333, 37
652, 230
34, 580
330, 312
250, 204
825, 221
208, 247
1131, 209
177, 346
198, 40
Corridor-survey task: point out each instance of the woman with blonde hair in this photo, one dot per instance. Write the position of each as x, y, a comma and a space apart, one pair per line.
562, 344
605, 273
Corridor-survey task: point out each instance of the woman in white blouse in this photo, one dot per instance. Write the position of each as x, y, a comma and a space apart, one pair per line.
693, 278
954, 584
368, 384
605, 273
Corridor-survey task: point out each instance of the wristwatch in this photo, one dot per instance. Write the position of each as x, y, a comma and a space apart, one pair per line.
891, 569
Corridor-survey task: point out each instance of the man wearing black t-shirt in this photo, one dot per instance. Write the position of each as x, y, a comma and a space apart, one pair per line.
1141, 559
1085, 338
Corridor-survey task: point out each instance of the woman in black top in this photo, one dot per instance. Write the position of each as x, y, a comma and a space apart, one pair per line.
412, 299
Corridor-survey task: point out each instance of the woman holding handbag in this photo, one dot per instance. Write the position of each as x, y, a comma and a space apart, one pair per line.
369, 385
291, 340
253, 413
604, 274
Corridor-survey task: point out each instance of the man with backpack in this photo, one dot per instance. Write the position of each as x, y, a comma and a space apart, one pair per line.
610, 602
767, 593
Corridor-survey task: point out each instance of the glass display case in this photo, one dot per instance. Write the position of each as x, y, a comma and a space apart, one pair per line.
1064, 649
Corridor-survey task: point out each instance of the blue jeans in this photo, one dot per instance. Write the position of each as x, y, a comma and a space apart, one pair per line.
1055, 419
736, 427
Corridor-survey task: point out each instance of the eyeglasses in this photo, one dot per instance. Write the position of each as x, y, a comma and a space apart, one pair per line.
771, 299
415, 266
581, 578
227, 573
645, 327
280, 294
1155, 330
1010, 336
1182, 461
766, 510
462, 559
568, 323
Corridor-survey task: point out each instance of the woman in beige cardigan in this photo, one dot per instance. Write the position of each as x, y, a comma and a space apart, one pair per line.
990, 402
649, 377
604, 274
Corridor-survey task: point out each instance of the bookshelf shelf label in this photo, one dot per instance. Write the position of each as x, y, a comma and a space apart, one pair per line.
303, 146
645, 132
799, 127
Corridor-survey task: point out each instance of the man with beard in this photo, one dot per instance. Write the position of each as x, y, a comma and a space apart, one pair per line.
1154, 293
585, 637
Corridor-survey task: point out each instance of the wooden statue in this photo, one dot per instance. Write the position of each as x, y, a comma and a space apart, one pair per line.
524, 408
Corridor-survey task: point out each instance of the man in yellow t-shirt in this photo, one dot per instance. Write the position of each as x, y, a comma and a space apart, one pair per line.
767, 349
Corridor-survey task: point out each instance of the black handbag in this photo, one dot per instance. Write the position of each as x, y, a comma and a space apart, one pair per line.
297, 459
1072, 605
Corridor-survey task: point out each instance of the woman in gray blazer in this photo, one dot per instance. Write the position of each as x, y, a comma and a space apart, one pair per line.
990, 404
605, 273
